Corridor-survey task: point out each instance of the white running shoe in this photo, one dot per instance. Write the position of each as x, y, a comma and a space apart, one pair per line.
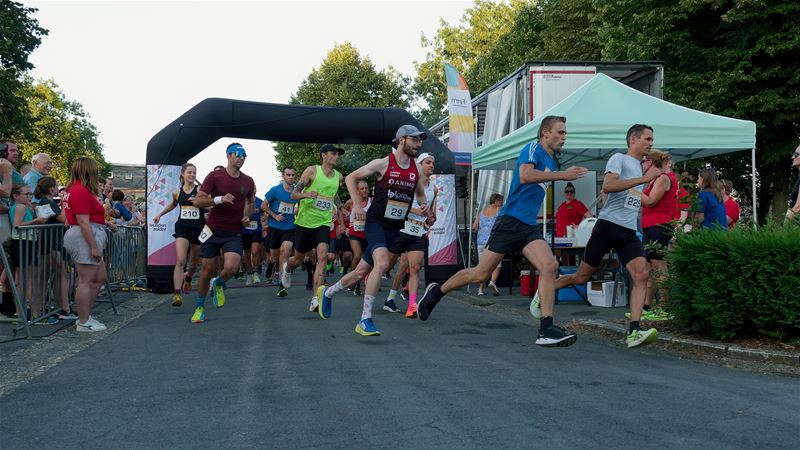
91, 326
248, 280
314, 305
256, 278
494, 289
535, 308
286, 276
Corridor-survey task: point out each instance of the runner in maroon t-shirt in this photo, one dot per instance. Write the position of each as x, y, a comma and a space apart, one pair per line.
230, 195
397, 186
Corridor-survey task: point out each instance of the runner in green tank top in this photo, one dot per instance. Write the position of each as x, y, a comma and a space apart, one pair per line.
317, 194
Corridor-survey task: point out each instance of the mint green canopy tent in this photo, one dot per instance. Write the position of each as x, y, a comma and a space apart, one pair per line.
598, 116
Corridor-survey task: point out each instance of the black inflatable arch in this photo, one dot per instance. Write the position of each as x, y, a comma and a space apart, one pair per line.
216, 118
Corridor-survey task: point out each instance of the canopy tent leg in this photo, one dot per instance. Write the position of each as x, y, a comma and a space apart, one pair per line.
471, 214
753, 178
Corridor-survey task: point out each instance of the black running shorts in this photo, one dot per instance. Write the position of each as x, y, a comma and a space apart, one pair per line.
225, 241
510, 235
608, 235
277, 237
307, 239
656, 241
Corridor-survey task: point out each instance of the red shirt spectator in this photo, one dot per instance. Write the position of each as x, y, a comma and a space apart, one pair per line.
683, 201
79, 200
227, 216
571, 212
732, 210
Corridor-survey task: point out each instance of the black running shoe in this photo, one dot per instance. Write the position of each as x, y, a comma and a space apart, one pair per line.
357, 290
554, 336
427, 302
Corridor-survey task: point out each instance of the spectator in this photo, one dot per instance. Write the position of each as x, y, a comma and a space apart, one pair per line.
42, 165
684, 201
23, 246
732, 209
9, 155
794, 205
136, 217
121, 213
483, 225
571, 212
49, 208
86, 238
710, 211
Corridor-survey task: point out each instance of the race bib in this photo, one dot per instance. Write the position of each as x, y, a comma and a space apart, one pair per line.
323, 203
359, 225
252, 225
413, 228
45, 211
396, 210
205, 234
286, 208
633, 200
190, 212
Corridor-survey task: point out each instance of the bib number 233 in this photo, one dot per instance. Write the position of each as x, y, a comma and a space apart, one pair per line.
323, 203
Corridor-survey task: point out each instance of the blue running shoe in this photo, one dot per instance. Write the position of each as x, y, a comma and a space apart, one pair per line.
325, 303
367, 328
218, 287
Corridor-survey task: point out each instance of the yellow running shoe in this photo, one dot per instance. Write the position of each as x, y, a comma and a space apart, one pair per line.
177, 300
219, 294
199, 315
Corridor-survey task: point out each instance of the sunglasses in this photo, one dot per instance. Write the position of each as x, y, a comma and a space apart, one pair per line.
238, 154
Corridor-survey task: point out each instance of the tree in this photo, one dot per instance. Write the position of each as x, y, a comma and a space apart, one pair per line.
20, 34
59, 127
344, 79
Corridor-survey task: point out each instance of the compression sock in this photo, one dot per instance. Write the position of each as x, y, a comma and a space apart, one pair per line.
412, 298
332, 290
366, 313
392, 295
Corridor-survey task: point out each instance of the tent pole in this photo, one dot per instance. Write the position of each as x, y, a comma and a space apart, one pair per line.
471, 218
753, 177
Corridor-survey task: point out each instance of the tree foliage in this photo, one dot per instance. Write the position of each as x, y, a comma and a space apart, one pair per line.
20, 34
344, 78
59, 127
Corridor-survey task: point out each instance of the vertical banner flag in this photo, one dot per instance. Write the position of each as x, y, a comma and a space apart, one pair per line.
442, 240
462, 127
162, 180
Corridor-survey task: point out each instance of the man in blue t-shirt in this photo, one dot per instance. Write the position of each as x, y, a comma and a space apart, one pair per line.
253, 244
280, 207
517, 230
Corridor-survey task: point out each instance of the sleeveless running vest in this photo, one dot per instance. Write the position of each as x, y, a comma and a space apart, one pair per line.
394, 193
663, 211
316, 212
357, 228
188, 214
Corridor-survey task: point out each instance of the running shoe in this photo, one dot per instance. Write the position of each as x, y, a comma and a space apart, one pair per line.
426, 304
326, 303
67, 315
240, 276
286, 276
177, 299
636, 338
494, 289
554, 336
256, 278
199, 315
187, 283
535, 308
411, 313
248, 280
314, 305
218, 287
282, 292
390, 306
357, 289
367, 328
50, 320
90, 326
481, 293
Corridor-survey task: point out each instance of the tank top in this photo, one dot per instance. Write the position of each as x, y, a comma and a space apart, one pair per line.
316, 212
664, 211
15, 232
190, 215
485, 225
394, 194
357, 228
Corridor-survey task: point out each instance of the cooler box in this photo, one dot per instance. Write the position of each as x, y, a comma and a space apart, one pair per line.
602, 292
568, 294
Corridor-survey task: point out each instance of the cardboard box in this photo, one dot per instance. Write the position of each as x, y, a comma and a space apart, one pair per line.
601, 293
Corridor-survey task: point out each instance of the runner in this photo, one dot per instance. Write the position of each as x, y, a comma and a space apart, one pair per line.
397, 186
253, 245
517, 229
280, 206
230, 194
317, 193
412, 242
190, 223
616, 228
358, 239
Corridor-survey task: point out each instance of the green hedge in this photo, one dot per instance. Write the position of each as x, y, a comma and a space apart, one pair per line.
741, 283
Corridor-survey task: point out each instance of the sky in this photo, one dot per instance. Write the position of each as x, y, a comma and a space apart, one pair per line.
137, 66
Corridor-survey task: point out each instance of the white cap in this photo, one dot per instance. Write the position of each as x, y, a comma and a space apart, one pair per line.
422, 157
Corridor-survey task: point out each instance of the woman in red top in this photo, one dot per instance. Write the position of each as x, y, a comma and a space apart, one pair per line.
571, 212
85, 239
732, 209
659, 208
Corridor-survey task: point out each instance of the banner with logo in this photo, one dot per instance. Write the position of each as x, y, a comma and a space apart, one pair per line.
443, 238
162, 180
462, 127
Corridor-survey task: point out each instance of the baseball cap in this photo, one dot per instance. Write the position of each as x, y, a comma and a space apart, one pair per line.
236, 149
330, 148
409, 130
422, 157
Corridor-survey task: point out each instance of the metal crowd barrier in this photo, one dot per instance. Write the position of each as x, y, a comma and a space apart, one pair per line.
46, 277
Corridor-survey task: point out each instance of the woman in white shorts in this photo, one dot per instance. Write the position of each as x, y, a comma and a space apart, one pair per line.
86, 238
483, 225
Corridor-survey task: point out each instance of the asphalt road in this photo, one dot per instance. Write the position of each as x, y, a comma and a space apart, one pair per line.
263, 372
